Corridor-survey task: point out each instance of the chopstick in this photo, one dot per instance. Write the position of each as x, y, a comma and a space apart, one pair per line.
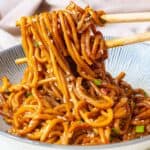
111, 43
141, 37
126, 17
21, 60
122, 17
117, 18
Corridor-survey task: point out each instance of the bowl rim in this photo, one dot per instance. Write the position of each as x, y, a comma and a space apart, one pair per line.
67, 147
38, 143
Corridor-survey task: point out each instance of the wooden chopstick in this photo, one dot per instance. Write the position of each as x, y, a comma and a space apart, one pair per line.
141, 37
120, 18
21, 60
112, 43
126, 17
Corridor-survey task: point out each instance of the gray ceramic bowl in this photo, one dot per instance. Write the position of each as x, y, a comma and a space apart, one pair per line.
132, 59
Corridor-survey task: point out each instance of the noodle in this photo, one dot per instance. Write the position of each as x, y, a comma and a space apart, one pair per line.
65, 95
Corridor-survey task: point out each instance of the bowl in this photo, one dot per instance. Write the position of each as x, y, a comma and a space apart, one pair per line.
134, 60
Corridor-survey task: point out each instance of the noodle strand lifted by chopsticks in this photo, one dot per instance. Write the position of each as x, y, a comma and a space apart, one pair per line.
65, 95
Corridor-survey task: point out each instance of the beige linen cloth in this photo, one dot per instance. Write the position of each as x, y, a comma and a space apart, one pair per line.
12, 10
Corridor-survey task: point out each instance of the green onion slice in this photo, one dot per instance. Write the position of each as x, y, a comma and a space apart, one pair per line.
139, 129
36, 44
97, 82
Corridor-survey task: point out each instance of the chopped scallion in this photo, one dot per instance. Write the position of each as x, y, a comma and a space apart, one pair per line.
36, 44
139, 129
115, 131
28, 94
97, 82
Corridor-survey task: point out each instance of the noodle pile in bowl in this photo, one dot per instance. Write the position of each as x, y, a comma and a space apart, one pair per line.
65, 95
